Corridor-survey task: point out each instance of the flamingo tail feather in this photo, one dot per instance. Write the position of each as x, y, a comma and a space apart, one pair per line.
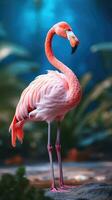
16, 129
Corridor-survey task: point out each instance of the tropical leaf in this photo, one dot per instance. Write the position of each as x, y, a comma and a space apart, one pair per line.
93, 95
10, 88
7, 49
101, 135
85, 80
20, 67
2, 31
106, 46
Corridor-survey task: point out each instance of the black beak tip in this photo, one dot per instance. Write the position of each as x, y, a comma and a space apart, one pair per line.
74, 49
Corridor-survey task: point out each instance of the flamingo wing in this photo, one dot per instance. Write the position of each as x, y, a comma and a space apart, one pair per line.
42, 100
43, 97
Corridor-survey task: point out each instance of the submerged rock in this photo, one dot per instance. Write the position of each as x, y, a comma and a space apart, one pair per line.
90, 191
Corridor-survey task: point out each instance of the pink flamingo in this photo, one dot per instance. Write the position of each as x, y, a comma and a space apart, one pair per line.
49, 97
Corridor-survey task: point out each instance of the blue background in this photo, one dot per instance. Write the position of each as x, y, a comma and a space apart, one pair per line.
28, 21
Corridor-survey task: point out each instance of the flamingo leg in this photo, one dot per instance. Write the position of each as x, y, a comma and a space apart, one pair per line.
50, 148
58, 151
63, 187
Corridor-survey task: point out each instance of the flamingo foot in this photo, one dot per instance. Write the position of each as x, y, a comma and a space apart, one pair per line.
58, 190
54, 189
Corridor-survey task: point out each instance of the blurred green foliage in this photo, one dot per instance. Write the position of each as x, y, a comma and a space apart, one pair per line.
93, 117
16, 187
105, 51
81, 127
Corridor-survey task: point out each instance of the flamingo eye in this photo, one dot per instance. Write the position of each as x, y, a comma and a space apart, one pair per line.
67, 29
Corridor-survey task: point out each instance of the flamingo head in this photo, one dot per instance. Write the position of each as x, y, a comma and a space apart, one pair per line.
64, 30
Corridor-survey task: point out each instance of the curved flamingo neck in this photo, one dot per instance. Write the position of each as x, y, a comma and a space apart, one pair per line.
52, 59
72, 79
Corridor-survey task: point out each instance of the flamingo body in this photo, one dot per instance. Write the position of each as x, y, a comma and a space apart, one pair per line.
45, 99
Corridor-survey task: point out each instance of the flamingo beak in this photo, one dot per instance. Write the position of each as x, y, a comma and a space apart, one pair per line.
73, 40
